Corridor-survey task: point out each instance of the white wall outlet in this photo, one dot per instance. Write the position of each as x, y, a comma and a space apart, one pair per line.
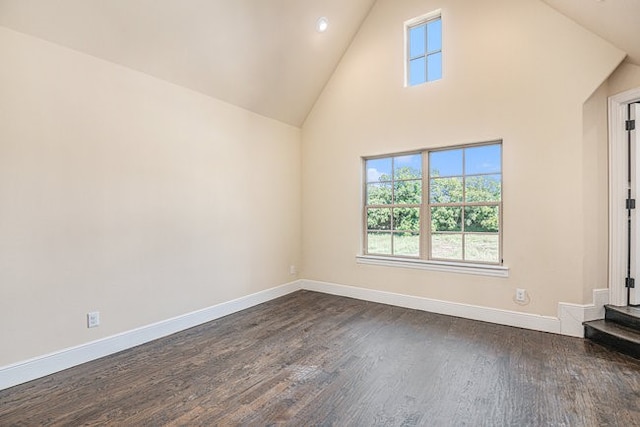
521, 295
93, 319
293, 270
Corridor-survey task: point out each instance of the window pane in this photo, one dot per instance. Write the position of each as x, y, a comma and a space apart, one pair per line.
483, 188
407, 244
446, 190
417, 42
434, 66
445, 163
483, 159
417, 71
407, 167
379, 170
482, 247
379, 243
379, 219
406, 219
446, 246
408, 192
481, 219
434, 35
445, 218
379, 194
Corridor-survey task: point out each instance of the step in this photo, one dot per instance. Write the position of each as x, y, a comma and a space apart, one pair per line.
613, 335
627, 316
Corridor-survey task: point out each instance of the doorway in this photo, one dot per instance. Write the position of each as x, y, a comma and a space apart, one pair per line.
624, 190
633, 222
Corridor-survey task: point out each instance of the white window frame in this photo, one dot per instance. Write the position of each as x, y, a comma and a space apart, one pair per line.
424, 261
422, 19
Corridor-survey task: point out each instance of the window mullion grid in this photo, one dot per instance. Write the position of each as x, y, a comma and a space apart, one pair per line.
425, 212
365, 211
461, 232
393, 204
426, 56
500, 231
464, 200
462, 205
425, 207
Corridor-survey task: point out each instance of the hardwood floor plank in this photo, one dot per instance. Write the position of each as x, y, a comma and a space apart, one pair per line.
316, 359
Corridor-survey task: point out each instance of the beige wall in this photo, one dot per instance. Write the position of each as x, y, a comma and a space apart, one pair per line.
626, 77
513, 70
595, 202
128, 195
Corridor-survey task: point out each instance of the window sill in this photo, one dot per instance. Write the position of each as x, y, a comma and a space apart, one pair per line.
448, 267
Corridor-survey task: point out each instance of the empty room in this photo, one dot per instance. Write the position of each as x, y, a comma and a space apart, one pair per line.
319, 212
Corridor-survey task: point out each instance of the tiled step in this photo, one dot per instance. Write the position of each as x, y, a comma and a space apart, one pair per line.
627, 316
614, 335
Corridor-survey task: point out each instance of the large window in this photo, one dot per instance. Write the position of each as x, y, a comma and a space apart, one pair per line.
394, 198
438, 204
424, 49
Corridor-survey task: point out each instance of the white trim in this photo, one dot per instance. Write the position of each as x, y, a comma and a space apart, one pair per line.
573, 315
448, 267
618, 186
467, 311
634, 138
423, 18
569, 322
41, 366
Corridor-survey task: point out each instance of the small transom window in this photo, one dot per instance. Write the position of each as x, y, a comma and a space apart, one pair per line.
424, 49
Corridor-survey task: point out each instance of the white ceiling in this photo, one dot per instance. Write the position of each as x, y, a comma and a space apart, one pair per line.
262, 55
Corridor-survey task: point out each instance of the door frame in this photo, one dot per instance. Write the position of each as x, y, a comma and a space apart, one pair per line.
618, 186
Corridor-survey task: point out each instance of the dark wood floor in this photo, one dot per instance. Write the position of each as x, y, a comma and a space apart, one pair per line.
315, 359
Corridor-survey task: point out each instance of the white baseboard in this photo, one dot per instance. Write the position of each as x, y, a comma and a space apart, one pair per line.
568, 322
467, 311
41, 366
572, 315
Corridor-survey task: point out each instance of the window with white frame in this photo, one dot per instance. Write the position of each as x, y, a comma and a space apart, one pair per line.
423, 49
443, 204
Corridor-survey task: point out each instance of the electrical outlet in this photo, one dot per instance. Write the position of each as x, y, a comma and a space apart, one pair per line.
292, 270
521, 295
93, 319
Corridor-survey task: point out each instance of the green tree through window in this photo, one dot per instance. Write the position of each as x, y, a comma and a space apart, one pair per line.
463, 206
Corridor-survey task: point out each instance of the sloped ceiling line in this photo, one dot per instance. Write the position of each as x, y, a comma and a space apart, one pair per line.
264, 56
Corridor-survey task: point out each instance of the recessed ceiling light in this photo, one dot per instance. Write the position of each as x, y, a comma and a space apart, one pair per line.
322, 25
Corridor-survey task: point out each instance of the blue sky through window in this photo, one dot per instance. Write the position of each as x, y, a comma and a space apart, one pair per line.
445, 163
417, 42
425, 52
434, 66
434, 35
417, 71
380, 169
376, 168
483, 159
480, 160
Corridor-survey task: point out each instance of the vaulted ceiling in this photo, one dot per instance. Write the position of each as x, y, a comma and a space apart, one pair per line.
262, 55
617, 21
